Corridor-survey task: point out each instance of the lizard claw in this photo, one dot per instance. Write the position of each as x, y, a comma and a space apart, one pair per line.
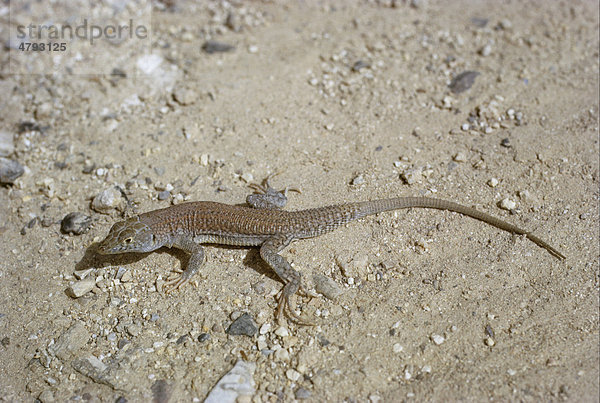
175, 281
286, 305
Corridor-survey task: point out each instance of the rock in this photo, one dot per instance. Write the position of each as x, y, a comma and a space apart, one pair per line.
75, 223
236, 385
508, 204
211, 47
244, 325
80, 288
70, 341
411, 176
437, 339
107, 200
10, 170
463, 81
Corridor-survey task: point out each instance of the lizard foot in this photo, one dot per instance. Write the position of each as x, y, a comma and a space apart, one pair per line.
286, 305
176, 280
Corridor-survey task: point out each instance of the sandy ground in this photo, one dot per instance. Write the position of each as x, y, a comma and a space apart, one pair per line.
348, 101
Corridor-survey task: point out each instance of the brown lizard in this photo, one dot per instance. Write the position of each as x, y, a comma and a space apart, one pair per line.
188, 225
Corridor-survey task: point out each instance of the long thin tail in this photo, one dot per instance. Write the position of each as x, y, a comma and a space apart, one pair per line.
378, 206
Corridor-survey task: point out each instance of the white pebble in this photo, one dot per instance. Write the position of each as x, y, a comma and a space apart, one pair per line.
493, 182
508, 204
265, 328
437, 339
292, 375
282, 332
81, 288
397, 348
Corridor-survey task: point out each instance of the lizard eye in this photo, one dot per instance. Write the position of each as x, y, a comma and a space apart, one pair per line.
128, 240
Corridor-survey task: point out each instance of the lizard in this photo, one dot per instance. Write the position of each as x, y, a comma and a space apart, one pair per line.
264, 223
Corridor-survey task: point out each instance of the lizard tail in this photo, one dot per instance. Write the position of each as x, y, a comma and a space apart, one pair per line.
378, 206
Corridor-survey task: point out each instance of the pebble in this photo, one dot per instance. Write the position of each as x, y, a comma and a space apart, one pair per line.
203, 337
358, 180
106, 200
80, 288
463, 81
7, 144
236, 385
252, 49
211, 47
265, 328
505, 142
164, 195
493, 182
460, 157
244, 325
184, 96
438, 339
508, 204
292, 375
490, 342
75, 223
232, 22
397, 348
486, 50
360, 64
411, 176
326, 286
10, 170
282, 355
282, 332
465, 127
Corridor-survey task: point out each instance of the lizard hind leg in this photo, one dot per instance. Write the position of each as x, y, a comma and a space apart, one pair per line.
290, 277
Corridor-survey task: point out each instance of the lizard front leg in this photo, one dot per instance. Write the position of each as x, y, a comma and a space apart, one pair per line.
180, 278
291, 278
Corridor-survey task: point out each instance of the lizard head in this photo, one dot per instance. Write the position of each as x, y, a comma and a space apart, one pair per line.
130, 235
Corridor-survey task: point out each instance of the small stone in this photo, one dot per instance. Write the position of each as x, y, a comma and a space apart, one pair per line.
486, 50
463, 81
252, 49
282, 355
460, 157
292, 375
357, 180
106, 200
265, 328
204, 159
10, 170
360, 64
511, 372
211, 47
411, 176
438, 339
282, 332
465, 127
164, 195
202, 337
505, 142
75, 223
490, 342
492, 182
508, 204
184, 96
326, 286
244, 325
80, 288
397, 348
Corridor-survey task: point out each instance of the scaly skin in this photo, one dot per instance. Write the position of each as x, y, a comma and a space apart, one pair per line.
188, 225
